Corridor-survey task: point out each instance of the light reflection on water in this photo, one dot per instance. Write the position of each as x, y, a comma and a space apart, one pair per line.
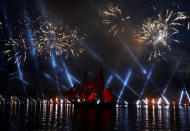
69, 117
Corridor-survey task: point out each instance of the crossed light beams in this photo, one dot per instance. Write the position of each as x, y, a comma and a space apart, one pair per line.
184, 92
172, 75
125, 84
122, 81
125, 102
145, 84
115, 74
93, 53
70, 78
19, 71
166, 86
96, 56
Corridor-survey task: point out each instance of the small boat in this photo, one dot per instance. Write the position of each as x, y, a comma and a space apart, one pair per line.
91, 95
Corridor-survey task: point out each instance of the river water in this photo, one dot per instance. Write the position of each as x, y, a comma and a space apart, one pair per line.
67, 117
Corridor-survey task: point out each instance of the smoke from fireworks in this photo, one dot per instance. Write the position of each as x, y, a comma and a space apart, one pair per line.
116, 19
159, 33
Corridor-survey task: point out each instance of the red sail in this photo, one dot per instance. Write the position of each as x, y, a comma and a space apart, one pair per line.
92, 96
72, 94
107, 95
83, 95
92, 85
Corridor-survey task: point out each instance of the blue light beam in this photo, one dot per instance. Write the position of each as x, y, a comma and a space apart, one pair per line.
29, 34
181, 96
171, 76
109, 81
125, 84
147, 79
133, 56
69, 77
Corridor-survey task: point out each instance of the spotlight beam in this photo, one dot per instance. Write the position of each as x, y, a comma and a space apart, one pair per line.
187, 94
97, 57
133, 56
9, 28
122, 81
181, 96
147, 79
172, 75
184, 92
109, 81
67, 74
125, 84
29, 34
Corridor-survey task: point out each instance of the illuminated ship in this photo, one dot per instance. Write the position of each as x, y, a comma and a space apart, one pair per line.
92, 94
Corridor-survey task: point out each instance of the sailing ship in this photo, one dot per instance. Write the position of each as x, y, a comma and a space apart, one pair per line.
92, 94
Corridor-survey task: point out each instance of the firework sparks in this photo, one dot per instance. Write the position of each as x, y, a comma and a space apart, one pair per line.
17, 48
116, 19
54, 38
158, 33
49, 38
1, 25
71, 44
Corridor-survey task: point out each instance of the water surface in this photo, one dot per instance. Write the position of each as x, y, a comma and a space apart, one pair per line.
68, 117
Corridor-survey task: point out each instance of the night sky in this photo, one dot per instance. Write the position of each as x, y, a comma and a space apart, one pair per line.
102, 50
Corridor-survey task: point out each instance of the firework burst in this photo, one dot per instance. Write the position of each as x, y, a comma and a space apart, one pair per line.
18, 48
116, 19
51, 38
71, 46
48, 39
159, 33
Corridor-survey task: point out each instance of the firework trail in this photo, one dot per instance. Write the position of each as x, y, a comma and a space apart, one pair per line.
116, 19
159, 33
